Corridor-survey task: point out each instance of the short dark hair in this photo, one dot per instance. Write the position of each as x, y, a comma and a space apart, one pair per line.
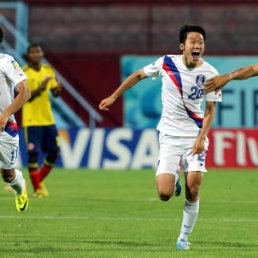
185, 29
1, 34
33, 45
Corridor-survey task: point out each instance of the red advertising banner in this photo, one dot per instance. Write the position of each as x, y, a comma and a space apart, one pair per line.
233, 148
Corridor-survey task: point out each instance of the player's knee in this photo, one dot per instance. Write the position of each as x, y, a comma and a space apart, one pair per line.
33, 157
165, 195
51, 157
8, 175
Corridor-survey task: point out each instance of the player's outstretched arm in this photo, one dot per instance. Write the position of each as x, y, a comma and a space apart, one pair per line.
218, 82
127, 84
23, 95
207, 121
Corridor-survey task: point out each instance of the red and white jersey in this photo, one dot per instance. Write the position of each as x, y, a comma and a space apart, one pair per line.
10, 75
182, 94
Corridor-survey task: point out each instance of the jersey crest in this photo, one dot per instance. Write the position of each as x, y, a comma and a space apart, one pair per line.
200, 80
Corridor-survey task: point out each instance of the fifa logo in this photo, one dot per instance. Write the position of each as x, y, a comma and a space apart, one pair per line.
200, 80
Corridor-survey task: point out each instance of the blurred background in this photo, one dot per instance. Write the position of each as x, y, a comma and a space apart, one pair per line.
94, 45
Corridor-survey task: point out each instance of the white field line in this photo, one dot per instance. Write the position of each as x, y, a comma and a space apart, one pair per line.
211, 220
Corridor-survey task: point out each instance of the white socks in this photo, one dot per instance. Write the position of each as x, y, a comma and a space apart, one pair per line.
18, 183
189, 217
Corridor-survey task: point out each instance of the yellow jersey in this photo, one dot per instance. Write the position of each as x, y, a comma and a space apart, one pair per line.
38, 111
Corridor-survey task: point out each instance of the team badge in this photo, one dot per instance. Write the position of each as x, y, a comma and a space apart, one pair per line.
15, 64
200, 80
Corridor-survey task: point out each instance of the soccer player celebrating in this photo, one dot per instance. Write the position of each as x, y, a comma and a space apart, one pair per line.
11, 75
218, 82
183, 127
37, 118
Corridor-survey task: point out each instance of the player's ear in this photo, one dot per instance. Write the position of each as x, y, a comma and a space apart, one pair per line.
182, 46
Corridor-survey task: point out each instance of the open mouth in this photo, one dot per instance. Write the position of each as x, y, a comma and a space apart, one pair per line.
196, 55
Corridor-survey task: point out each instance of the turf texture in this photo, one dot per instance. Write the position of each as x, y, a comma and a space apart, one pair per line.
105, 213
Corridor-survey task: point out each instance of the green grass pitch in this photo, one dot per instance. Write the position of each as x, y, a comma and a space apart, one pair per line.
104, 213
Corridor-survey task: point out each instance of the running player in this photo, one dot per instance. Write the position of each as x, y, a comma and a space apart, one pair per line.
11, 75
218, 82
37, 118
183, 127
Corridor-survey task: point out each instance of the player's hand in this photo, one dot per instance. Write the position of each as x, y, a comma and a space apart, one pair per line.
3, 121
57, 90
105, 103
45, 82
216, 83
198, 146
59, 83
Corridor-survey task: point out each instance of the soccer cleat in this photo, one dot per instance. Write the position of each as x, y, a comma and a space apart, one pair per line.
38, 193
44, 190
181, 244
178, 188
22, 200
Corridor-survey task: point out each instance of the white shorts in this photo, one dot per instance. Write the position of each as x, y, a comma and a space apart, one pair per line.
175, 149
8, 150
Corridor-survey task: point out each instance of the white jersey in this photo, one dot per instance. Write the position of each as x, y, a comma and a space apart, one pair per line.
182, 94
10, 75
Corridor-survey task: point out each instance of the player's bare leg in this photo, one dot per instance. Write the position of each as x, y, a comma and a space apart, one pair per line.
192, 188
165, 184
193, 182
8, 175
15, 180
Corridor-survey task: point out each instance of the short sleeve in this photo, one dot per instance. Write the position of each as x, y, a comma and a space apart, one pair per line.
13, 71
154, 69
212, 96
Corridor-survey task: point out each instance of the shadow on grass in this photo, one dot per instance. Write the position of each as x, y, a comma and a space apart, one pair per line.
122, 243
79, 245
226, 244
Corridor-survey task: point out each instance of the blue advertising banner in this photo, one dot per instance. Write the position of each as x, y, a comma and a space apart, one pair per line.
103, 148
